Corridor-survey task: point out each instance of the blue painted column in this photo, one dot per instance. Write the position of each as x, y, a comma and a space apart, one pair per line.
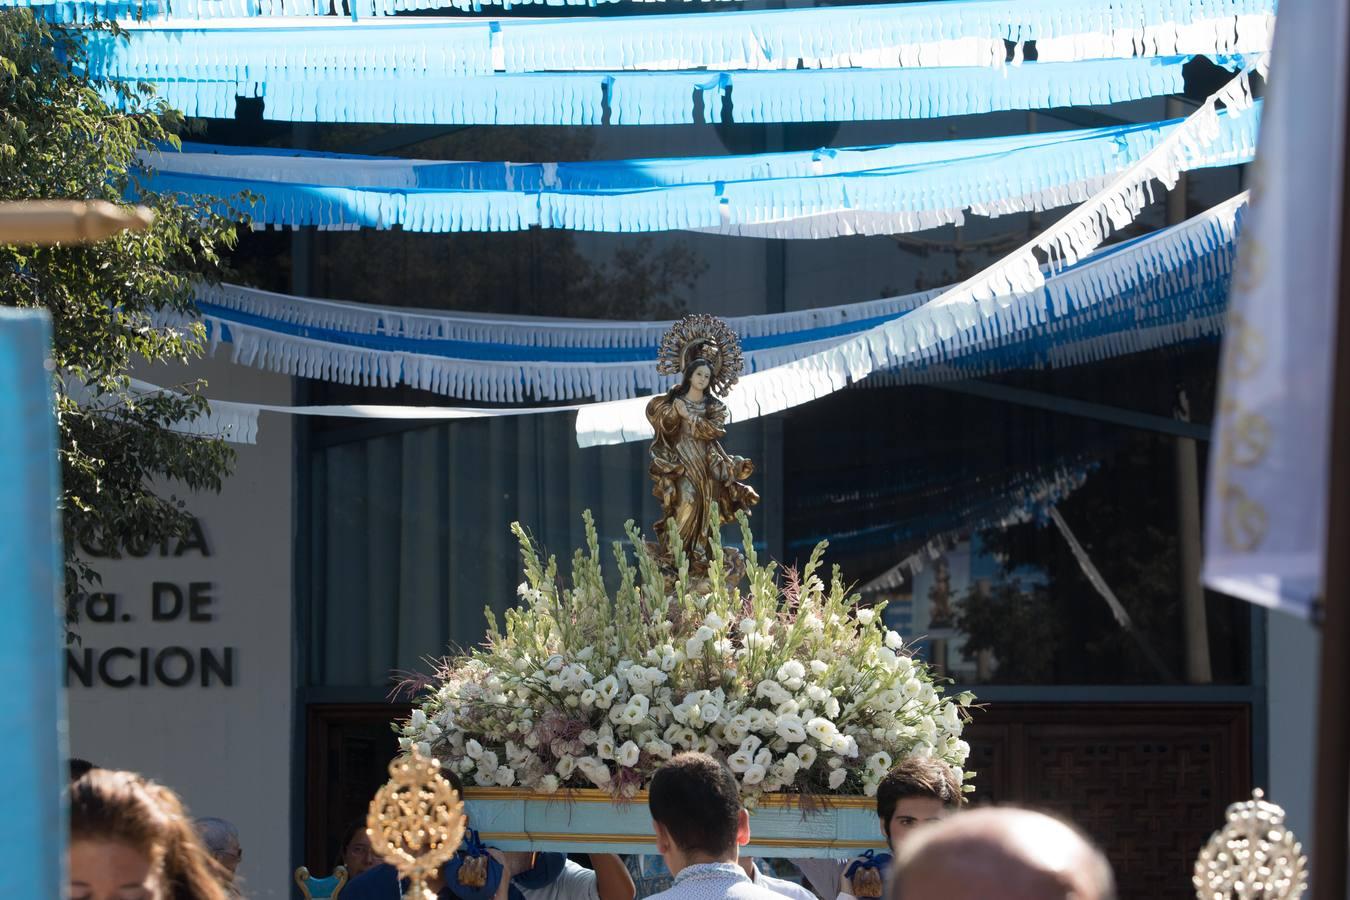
32, 705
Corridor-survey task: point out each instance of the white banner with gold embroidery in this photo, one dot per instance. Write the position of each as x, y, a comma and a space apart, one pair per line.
1269, 462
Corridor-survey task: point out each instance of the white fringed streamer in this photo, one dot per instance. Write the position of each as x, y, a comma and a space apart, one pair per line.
966, 33
528, 341
960, 309
236, 423
1072, 294
1165, 34
522, 331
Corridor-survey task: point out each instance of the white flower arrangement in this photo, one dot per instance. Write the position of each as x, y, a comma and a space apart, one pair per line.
794, 686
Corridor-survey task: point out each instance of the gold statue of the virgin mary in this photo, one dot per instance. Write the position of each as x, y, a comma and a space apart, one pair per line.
691, 472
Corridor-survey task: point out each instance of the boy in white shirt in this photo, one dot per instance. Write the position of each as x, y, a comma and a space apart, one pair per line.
700, 826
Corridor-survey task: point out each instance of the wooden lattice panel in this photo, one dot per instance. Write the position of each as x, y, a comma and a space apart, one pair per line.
1148, 782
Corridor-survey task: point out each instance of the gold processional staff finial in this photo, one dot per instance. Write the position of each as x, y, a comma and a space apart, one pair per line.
416, 821
1253, 857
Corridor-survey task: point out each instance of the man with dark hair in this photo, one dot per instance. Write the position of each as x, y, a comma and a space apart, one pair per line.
1012, 854
919, 790
700, 826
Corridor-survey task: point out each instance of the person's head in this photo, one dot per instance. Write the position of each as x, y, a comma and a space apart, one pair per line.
696, 811
130, 839
917, 791
698, 374
222, 842
1013, 854
356, 854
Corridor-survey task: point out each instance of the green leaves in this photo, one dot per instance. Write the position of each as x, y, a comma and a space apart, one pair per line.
124, 302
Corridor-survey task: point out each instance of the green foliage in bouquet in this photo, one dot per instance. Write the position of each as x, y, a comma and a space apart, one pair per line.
797, 688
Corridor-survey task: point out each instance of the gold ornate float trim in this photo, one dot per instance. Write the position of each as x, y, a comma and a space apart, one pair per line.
595, 795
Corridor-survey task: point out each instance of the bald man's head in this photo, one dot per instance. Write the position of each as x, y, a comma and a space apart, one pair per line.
1011, 854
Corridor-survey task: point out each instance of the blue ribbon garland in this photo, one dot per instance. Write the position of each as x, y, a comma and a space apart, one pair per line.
1167, 288
667, 98
767, 198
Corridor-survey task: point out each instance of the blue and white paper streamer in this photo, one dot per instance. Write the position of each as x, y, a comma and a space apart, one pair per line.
826, 193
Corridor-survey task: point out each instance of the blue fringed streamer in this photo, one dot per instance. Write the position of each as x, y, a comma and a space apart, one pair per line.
1163, 289
90, 10
668, 98
822, 194
963, 33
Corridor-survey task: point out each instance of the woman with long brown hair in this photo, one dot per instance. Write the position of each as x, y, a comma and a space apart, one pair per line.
130, 839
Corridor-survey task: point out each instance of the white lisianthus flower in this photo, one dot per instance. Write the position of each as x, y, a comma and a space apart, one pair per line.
790, 728
912, 687
816, 693
636, 710
589, 736
659, 749
566, 766
423, 748
604, 747
791, 674
845, 745
837, 778
504, 777
822, 730
869, 787
764, 758
832, 707
962, 752
405, 744
715, 622
693, 647
587, 698
596, 771
879, 762
754, 775
473, 749
818, 667
605, 690
865, 616
739, 761
554, 663
549, 784
627, 755
807, 754
488, 761
669, 662
418, 720
894, 640
585, 653
483, 778
747, 626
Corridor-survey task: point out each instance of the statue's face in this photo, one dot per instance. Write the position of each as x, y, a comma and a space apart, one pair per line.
702, 375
